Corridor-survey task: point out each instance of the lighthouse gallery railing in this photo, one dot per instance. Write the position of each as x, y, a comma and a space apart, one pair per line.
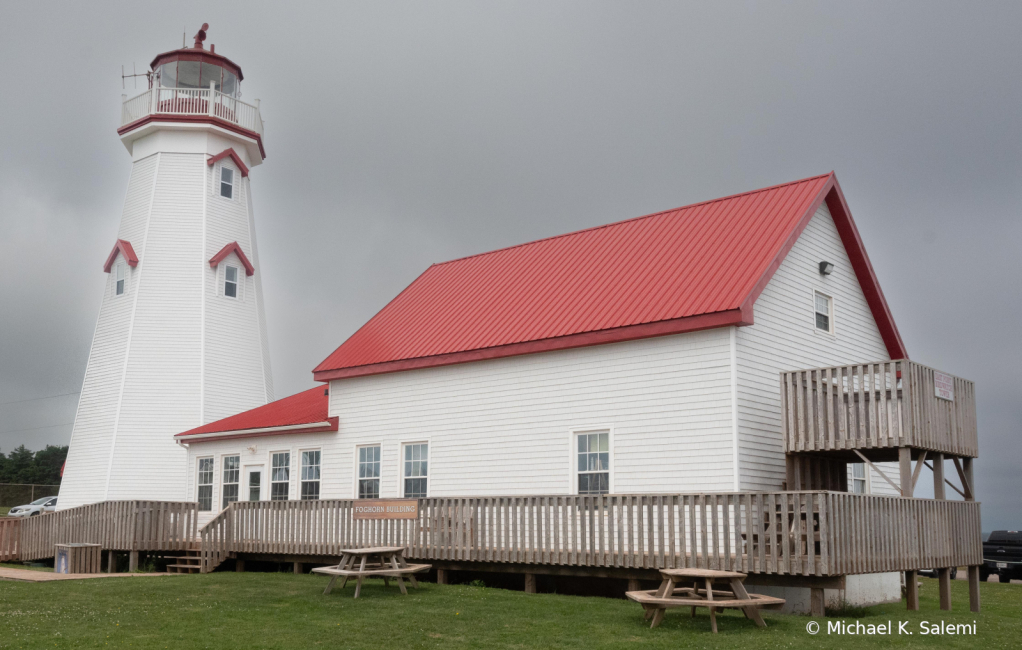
192, 101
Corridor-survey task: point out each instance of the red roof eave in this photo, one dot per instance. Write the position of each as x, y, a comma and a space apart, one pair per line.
633, 332
329, 425
235, 248
195, 119
233, 155
124, 248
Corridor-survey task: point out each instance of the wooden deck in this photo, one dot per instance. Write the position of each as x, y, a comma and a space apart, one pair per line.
877, 407
777, 533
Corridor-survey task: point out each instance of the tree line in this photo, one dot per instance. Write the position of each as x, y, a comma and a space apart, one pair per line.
24, 466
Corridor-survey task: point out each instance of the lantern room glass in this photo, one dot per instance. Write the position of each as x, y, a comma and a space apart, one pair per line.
196, 74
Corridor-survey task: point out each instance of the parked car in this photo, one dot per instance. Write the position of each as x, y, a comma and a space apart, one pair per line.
37, 507
932, 573
1002, 555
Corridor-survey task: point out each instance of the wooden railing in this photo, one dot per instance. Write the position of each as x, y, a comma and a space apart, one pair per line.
115, 525
804, 533
10, 536
885, 404
192, 101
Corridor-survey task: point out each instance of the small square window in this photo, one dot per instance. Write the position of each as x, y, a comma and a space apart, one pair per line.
824, 312
227, 182
119, 287
231, 282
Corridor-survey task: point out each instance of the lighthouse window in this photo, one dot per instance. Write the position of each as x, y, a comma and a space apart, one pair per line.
188, 74
231, 282
211, 73
226, 182
120, 280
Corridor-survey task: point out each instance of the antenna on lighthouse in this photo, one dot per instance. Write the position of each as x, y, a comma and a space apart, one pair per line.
133, 76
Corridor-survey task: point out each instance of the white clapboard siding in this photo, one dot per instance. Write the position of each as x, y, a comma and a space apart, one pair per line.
88, 457
171, 354
504, 427
784, 337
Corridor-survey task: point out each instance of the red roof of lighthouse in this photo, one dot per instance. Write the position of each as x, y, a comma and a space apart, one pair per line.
299, 413
686, 269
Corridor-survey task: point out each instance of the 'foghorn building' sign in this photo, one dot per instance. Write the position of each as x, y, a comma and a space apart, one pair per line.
386, 509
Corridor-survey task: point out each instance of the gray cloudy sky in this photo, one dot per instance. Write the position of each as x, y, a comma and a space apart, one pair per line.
401, 134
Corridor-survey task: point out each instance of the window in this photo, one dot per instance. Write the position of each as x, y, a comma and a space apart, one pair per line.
369, 472
205, 482
231, 281
280, 476
310, 475
226, 182
416, 470
119, 274
824, 312
594, 463
232, 477
859, 480
255, 483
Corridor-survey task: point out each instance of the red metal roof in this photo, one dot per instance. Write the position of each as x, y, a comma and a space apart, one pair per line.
291, 414
124, 248
233, 247
680, 270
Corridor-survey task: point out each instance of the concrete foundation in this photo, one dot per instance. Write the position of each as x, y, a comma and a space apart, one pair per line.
860, 591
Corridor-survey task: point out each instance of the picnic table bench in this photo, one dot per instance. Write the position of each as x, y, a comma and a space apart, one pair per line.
376, 562
657, 601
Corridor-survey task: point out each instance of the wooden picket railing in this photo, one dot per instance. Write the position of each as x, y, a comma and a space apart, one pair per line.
803, 533
115, 525
10, 537
885, 404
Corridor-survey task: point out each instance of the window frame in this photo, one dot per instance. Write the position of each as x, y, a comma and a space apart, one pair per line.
224, 484
830, 315
867, 484
358, 479
286, 482
236, 282
573, 471
232, 184
120, 278
302, 481
199, 472
403, 477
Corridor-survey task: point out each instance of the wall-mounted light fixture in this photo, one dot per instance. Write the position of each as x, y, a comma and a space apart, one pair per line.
826, 268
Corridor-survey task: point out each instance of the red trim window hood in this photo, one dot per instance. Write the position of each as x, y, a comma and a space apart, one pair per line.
235, 248
233, 155
124, 248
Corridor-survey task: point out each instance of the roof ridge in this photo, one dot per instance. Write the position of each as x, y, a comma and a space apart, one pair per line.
645, 216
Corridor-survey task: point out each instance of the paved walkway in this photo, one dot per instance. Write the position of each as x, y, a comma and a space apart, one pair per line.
27, 575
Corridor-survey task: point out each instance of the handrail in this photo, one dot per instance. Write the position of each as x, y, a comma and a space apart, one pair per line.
812, 533
881, 404
10, 537
115, 525
192, 101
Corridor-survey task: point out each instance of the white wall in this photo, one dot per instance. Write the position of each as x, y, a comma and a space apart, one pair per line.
172, 353
784, 337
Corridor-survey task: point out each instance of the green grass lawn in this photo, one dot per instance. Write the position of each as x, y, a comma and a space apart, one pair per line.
4, 510
282, 610
19, 565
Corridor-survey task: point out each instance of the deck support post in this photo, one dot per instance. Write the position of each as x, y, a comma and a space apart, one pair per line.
111, 562
974, 589
633, 585
298, 568
967, 470
239, 565
817, 603
132, 561
912, 590
944, 578
938, 476
791, 466
441, 577
905, 464
530, 583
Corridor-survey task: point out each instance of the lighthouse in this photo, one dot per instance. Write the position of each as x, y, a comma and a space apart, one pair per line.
181, 335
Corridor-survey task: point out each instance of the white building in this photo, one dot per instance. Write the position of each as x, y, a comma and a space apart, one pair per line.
659, 339
181, 337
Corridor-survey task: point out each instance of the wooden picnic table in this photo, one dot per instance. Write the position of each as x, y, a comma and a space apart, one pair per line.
379, 561
657, 601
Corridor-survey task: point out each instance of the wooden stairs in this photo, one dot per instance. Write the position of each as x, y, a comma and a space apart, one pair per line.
189, 562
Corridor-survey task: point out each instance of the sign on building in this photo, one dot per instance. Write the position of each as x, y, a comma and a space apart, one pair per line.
386, 509
943, 385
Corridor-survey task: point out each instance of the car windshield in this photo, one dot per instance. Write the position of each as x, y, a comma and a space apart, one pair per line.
39, 502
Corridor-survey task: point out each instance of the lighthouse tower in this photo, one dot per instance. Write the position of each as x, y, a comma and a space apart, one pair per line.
181, 335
